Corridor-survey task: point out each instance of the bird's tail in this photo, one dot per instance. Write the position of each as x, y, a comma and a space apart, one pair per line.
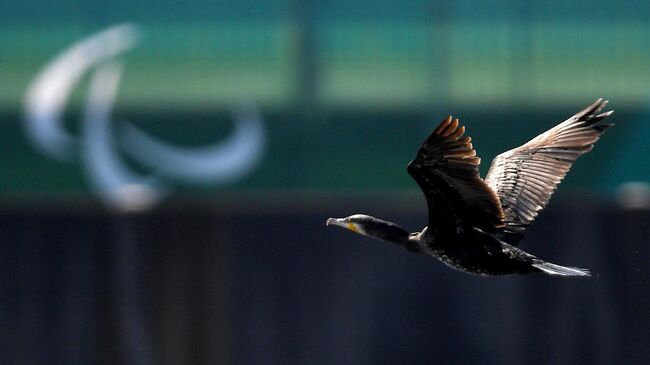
558, 270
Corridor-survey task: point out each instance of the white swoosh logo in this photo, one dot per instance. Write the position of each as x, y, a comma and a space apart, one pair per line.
117, 185
112, 180
221, 163
48, 94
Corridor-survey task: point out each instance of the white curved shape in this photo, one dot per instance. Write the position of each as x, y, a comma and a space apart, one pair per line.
48, 93
111, 179
224, 162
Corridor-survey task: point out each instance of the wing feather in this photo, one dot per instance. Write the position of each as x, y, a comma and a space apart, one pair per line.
524, 178
446, 169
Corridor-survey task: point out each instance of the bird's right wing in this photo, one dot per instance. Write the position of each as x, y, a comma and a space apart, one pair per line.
524, 178
446, 168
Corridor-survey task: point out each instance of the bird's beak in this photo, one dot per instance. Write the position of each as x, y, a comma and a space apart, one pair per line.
341, 222
336, 222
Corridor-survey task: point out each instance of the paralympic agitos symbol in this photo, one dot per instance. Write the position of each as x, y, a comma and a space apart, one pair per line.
96, 147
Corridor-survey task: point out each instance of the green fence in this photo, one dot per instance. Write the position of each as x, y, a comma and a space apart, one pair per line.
347, 90
362, 54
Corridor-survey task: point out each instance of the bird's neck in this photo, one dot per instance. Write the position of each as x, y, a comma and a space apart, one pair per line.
391, 232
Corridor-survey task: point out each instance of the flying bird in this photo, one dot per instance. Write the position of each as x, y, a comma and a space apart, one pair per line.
475, 224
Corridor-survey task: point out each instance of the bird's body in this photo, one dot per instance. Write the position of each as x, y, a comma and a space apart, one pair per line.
475, 224
474, 252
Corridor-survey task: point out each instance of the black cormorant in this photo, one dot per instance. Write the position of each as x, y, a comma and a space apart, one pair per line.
474, 224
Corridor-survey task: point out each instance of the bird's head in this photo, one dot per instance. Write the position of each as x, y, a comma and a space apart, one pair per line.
356, 223
371, 227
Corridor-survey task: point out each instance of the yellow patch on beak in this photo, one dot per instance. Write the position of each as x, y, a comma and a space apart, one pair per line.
353, 227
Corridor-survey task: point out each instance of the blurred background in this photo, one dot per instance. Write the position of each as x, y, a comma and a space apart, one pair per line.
167, 169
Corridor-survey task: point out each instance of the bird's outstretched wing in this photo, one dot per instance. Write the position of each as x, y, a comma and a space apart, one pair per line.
524, 178
446, 168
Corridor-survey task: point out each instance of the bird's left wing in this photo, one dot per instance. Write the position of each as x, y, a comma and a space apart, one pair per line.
526, 177
446, 169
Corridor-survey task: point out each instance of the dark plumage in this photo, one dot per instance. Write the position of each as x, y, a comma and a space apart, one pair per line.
475, 224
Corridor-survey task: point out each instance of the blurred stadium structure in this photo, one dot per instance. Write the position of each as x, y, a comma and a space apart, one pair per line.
234, 128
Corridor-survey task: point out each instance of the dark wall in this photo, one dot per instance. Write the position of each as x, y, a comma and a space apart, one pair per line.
201, 284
